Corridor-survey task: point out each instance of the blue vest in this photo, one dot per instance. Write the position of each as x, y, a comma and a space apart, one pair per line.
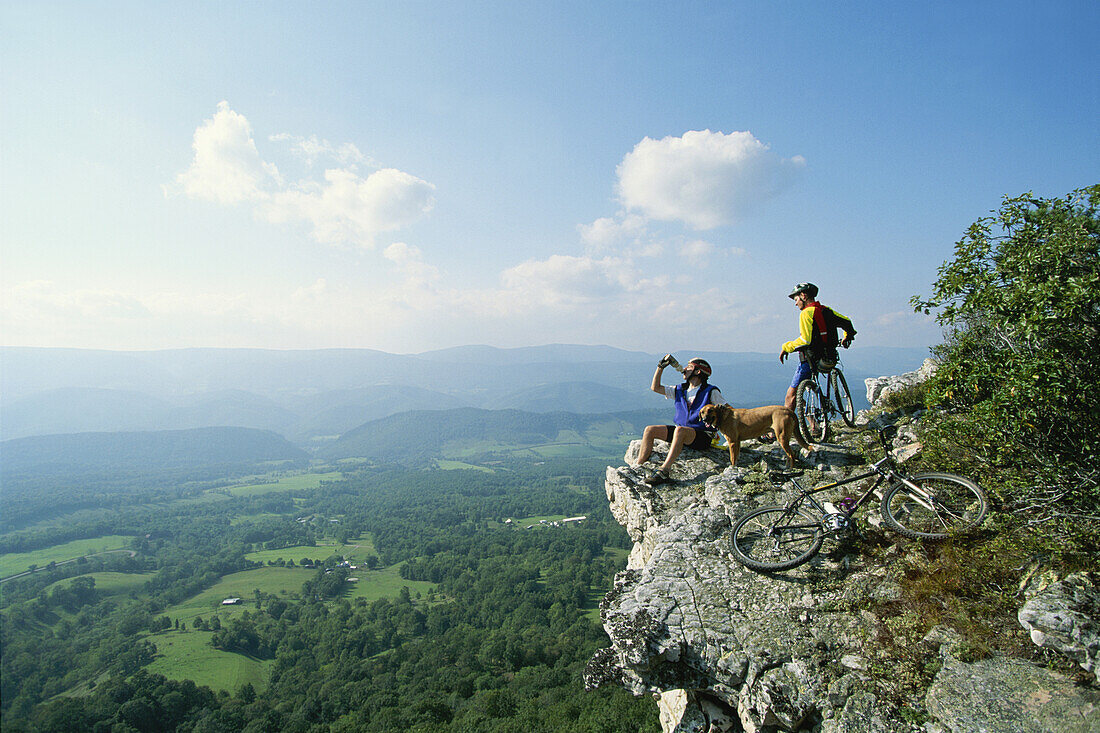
688, 415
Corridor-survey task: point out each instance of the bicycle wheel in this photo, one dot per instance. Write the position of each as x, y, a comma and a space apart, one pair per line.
838, 387
775, 538
946, 506
809, 408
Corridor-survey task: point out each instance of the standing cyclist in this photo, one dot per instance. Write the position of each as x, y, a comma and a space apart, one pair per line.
817, 339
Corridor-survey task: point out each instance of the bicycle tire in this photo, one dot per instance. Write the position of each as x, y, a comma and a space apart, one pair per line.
838, 387
809, 409
956, 504
764, 540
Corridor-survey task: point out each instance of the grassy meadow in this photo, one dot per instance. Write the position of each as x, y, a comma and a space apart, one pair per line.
13, 563
355, 551
384, 583
298, 482
110, 583
274, 581
188, 655
285, 583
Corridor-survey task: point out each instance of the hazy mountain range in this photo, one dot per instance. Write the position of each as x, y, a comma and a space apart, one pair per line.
313, 397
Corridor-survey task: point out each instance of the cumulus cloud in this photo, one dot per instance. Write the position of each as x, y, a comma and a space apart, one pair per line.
697, 250
311, 149
704, 179
347, 208
227, 167
561, 279
608, 232
343, 208
411, 263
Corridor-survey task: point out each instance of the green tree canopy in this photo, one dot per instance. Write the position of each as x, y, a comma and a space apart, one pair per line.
1020, 304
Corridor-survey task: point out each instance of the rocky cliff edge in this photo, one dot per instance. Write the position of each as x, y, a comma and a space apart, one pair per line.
723, 648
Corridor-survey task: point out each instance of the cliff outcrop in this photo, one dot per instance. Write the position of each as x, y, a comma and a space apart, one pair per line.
723, 648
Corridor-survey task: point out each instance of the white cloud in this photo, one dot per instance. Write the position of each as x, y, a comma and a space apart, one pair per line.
568, 279
697, 250
563, 280
607, 232
411, 262
227, 167
704, 179
343, 208
311, 293
347, 208
44, 297
311, 149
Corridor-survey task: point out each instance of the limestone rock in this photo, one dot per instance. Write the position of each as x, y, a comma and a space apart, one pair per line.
880, 387
725, 648
1010, 696
722, 648
1066, 616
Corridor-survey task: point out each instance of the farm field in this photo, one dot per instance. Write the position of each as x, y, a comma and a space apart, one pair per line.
355, 550
385, 583
300, 482
444, 464
270, 580
187, 655
109, 583
284, 582
16, 562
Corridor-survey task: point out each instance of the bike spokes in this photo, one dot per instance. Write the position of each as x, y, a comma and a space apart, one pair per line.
941, 505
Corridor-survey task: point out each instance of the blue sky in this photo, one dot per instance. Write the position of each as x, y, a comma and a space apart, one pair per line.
407, 176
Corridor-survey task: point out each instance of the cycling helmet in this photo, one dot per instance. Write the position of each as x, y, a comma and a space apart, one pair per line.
808, 288
702, 366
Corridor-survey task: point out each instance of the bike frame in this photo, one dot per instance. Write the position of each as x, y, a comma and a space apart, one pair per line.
884, 474
827, 390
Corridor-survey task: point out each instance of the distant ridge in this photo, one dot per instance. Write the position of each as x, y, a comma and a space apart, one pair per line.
475, 433
312, 396
50, 454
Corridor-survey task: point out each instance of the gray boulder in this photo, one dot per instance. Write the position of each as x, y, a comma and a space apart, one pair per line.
1066, 616
881, 387
1010, 695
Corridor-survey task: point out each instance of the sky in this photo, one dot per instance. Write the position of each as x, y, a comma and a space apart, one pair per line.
411, 176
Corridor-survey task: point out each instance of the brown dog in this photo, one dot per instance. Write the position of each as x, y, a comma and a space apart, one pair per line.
738, 425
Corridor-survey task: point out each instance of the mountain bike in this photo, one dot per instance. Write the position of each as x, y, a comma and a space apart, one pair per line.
813, 405
923, 506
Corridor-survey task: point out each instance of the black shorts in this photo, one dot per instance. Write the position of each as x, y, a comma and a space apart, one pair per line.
702, 438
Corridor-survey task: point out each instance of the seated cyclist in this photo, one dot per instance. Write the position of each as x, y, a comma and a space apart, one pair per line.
817, 337
689, 430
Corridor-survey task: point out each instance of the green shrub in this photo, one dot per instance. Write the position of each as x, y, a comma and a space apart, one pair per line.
1020, 303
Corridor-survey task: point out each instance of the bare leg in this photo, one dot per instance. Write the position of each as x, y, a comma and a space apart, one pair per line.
651, 433
680, 437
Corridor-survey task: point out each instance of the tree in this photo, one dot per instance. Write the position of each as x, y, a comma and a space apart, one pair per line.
1020, 304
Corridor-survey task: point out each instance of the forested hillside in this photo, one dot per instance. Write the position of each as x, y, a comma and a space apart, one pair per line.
489, 632
86, 452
